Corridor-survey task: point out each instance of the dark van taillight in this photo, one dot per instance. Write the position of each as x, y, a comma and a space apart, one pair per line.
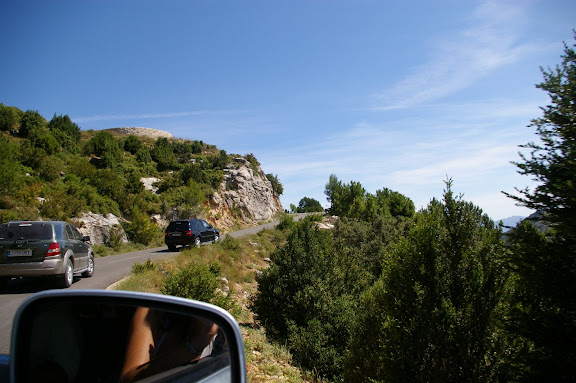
53, 250
189, 233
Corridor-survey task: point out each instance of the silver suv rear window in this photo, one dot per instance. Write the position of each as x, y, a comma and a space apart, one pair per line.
25, 232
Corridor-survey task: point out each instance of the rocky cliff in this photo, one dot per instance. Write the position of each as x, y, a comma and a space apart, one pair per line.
142, 132
100, 228
245, 195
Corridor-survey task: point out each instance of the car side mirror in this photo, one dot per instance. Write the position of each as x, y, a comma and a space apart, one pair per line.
86, 238
120, 336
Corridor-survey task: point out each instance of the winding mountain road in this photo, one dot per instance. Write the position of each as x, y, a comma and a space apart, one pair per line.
107, 270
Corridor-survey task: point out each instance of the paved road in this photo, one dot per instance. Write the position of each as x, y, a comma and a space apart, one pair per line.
107, 270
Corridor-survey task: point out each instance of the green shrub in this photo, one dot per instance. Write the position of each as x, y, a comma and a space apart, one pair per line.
163, 154
31, 121
8, 215
277, 185
46, 141
286, 223
254, 164
115, 237
51, 169
60, 204
63, 124
314, 217
229, 243
199, 282
105, 146
9, 117
139, 268
436, 313
303, 300
308, 205
132, 144
143, 155
142, 229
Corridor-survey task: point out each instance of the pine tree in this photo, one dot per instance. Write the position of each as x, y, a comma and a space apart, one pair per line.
433, 315
545, 264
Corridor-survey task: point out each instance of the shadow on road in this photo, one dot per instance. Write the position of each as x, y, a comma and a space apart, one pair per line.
180, 248
18, 286
166, 250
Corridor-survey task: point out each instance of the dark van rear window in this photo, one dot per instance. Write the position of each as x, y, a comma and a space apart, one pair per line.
25, 231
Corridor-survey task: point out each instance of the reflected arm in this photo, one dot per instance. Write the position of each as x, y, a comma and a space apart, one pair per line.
140, 345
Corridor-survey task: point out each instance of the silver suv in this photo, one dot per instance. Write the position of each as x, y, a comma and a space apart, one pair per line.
44, 248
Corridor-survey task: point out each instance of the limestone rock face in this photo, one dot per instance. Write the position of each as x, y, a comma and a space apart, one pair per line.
149, 183
245, 194
142, 132
99, 227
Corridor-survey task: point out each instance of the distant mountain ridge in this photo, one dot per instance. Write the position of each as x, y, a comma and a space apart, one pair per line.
537, 219
511, 222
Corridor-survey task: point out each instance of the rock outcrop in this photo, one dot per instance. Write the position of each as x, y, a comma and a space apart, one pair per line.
142, 132
149, 183
245, 194
101, 228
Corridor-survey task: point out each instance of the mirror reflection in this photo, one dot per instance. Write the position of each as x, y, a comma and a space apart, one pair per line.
87, 342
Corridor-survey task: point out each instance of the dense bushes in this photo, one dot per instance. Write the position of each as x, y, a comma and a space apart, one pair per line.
9, 118
299, 300
435, 312
392, 299
308, 297
351, 200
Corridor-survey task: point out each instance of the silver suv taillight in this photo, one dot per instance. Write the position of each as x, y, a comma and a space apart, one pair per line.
53, 250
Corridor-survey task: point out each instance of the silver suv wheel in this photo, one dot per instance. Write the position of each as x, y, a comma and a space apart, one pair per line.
68, 274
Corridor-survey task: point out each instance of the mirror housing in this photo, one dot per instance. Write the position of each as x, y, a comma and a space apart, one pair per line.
87, 335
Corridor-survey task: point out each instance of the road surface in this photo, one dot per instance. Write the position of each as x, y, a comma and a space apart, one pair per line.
107, 270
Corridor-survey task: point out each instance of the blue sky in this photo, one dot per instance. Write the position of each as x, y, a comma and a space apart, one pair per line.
390, 94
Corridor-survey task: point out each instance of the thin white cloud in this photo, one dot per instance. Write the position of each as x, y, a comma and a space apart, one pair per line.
469, 163
473, 143
149, 116
459, 60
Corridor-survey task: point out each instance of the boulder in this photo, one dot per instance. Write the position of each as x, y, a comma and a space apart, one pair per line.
100, 227
149, 182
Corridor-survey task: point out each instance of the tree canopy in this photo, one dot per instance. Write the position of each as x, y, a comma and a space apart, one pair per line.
308, 205
352, 200
433, 314
545, 264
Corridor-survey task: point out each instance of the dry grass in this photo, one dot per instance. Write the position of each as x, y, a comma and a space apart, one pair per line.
267, 362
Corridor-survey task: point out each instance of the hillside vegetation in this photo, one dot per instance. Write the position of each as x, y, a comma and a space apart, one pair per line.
54, 170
